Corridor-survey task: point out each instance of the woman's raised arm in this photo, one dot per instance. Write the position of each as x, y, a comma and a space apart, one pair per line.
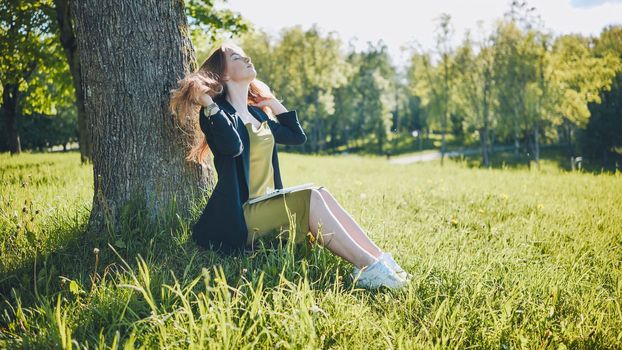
288, 130
222, 136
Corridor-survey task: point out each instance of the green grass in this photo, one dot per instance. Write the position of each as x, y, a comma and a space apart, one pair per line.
502, 258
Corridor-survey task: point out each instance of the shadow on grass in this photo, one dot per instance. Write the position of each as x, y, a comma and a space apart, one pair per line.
87, 261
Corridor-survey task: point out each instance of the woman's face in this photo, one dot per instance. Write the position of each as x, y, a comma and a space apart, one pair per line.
239, 66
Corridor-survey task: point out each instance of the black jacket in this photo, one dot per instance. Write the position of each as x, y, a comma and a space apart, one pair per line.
221, 225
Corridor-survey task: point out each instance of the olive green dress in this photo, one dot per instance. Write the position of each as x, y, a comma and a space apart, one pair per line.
269, 218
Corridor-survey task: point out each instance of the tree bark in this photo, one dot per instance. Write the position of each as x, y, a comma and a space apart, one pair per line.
70, 47
131, 56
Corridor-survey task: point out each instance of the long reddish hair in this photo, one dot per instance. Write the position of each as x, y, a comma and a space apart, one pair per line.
184, 103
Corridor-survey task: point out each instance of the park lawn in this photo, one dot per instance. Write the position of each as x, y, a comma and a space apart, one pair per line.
501, 258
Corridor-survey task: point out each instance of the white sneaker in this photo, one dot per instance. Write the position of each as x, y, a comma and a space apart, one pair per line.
388, 259
376, 275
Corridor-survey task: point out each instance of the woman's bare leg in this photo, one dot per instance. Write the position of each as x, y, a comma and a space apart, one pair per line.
334, 236
346, 220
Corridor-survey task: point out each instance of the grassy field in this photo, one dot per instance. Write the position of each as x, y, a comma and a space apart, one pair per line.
502, 258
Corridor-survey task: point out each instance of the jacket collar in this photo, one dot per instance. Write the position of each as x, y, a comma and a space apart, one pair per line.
227, 107
224, 104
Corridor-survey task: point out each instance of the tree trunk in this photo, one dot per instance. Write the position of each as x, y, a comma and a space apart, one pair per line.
536, 151
321, 136
492, 142
10, 96
570, 143
485, 137
484, 145
70, 47
131, 56
334, 134
316, 138
347, 138
380, 136
516, 141
442, 146
566, 128
443, 149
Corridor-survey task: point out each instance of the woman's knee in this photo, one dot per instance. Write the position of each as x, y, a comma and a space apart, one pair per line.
317, 200
316, 196
325, 193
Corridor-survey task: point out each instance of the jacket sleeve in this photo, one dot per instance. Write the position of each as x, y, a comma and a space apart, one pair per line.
288, 130
222, 136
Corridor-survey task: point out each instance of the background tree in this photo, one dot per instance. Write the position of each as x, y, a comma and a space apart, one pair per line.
69, 46
40, 132
51, 21
414, 116
540, 92
211, 24
475, 85
603, 132
431, 75
426, 87
514, 71
579, 77
33, 74
303, 68
322, 65
443, 46
373, 84
343, 127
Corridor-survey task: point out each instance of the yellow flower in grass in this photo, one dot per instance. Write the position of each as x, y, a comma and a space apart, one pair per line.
311, 237
454, 221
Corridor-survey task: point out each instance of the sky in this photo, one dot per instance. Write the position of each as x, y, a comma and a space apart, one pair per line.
405, 22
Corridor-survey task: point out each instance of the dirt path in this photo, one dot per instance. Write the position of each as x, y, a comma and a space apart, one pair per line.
426, 157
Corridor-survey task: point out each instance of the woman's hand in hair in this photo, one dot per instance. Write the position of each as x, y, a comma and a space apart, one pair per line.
271, 102
205, 100
202, 87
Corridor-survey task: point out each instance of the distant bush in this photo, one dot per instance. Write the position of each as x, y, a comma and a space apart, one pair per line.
39, 132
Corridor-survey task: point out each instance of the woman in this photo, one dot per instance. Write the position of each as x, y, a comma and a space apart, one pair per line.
235, 127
